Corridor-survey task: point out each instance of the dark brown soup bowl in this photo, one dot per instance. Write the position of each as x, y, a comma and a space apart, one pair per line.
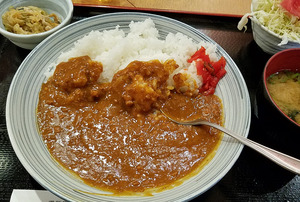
288, 59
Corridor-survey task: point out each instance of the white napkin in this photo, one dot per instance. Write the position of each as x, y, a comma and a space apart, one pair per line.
20, 195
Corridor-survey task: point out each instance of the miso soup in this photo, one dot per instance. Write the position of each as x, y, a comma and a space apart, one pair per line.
284, 88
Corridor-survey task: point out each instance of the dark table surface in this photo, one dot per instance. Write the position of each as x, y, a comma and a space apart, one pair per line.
252, 178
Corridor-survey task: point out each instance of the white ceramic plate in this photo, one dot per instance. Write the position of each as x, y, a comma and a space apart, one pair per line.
23, 98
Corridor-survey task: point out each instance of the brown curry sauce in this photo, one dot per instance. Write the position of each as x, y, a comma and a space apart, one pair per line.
113, 136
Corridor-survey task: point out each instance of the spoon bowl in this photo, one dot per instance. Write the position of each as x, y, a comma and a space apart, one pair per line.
290, 163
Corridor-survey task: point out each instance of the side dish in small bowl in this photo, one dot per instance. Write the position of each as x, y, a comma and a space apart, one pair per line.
28, 22
281, 79
275, 24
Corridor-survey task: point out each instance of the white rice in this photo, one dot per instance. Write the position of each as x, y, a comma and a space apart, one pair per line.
115, 49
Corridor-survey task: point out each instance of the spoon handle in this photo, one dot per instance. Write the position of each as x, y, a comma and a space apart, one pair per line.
288, 162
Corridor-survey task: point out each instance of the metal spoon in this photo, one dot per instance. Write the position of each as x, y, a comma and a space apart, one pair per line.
290, 163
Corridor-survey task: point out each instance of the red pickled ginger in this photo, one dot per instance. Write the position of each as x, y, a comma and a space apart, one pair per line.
292, 6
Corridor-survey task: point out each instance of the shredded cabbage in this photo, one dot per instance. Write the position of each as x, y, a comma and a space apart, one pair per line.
276, 19
28, 20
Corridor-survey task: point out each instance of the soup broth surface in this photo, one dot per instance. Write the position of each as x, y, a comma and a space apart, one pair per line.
284, 88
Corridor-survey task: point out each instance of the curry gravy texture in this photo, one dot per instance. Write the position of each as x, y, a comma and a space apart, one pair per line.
113, 135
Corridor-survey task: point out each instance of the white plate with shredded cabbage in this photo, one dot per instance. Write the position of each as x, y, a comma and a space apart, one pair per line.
23, 98
274, 28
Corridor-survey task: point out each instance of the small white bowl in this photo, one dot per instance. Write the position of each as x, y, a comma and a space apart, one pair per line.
62, 8
267, 40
